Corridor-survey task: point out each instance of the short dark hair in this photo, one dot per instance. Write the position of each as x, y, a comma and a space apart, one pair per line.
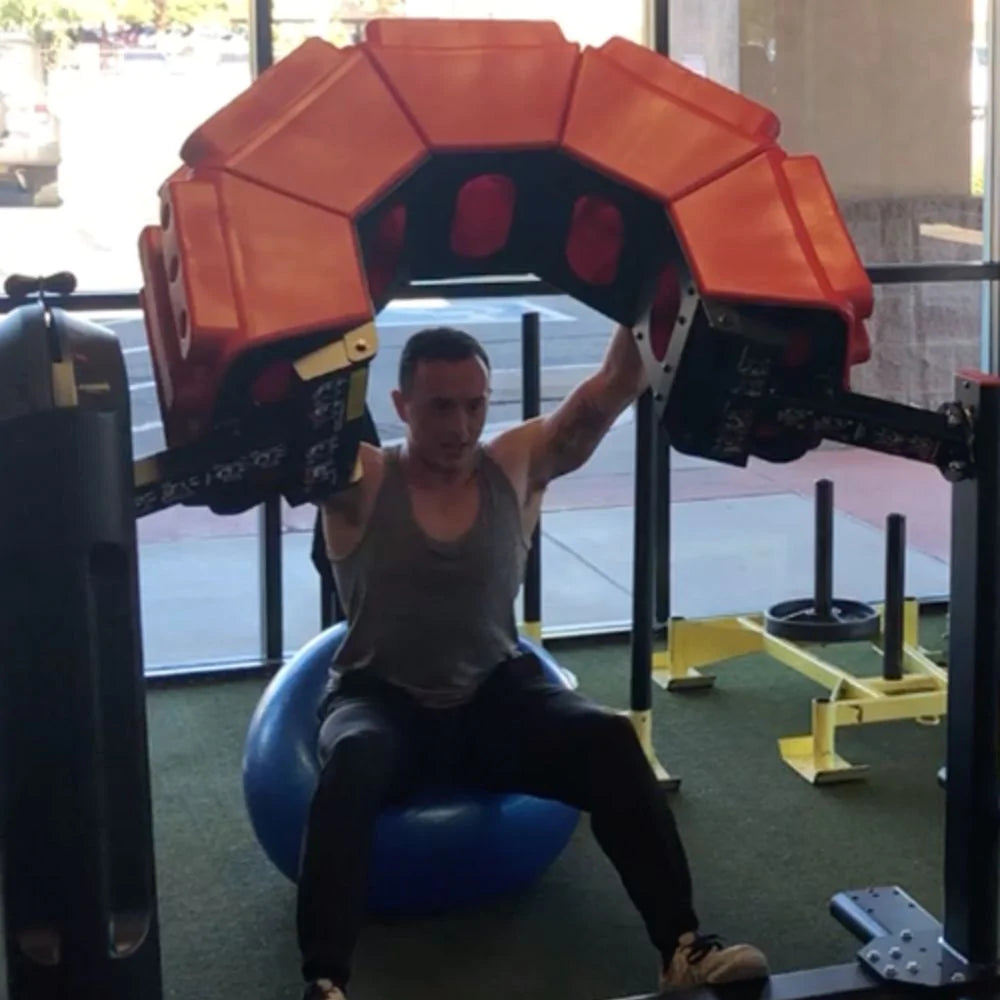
438, 343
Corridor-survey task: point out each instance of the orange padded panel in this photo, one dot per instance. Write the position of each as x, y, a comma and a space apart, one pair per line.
827, 232
200, 300
297, 267
197, 264
744, 238
185, 396
483, 97
267, 98
429, 32
743, 114
647, 138
181, 173
341, 146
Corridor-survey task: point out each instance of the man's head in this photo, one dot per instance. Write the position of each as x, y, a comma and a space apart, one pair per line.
444, 387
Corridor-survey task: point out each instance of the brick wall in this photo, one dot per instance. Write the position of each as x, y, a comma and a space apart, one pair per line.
921, 333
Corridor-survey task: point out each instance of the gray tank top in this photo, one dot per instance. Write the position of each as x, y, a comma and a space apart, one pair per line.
433, 617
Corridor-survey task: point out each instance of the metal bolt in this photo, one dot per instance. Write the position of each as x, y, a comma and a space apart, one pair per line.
954, 471
890, 972
912, 968
874, 957
895, 952
958, 977
906, 935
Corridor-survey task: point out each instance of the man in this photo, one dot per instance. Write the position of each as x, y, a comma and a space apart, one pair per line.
428, 550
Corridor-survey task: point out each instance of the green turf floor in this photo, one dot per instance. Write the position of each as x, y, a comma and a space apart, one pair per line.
767, 849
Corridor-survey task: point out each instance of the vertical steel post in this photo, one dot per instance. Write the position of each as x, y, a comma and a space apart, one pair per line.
643, 557
972, 823
823, 551
531, 407
661, 472
895, 596
269, 531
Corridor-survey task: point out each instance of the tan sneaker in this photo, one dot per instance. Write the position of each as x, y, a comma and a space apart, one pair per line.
702, 958
323, 989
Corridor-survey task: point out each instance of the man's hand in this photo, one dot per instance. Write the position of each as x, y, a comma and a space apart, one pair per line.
564, 440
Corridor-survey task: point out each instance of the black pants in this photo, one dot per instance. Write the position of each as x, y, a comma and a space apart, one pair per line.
521, 733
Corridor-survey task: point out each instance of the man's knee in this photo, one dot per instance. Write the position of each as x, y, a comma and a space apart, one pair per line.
614, 735
613, 749
358, 758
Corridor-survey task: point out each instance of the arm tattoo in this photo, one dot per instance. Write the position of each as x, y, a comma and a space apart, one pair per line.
579, 434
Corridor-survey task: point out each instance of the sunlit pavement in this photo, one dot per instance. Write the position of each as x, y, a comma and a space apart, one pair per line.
121, 136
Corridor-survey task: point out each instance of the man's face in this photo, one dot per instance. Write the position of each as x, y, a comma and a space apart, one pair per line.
445, 410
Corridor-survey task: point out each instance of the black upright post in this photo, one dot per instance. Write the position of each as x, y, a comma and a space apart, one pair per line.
261, 36
79, 887
661, 527
661, 26
972, 831
823, 551
660, 29
531, 407
643, 556
271, 589
893, 623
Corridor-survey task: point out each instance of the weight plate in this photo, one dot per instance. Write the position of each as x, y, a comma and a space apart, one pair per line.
849, 621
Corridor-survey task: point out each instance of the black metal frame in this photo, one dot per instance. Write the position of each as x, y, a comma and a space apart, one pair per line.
973, 789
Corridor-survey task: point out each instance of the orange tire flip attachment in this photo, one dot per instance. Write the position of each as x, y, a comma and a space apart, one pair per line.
436, 149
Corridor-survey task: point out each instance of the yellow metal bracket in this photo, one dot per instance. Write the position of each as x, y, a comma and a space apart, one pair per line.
533, 630
354, 348
919, 695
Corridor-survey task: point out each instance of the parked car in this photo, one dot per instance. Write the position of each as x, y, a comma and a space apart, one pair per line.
30, 152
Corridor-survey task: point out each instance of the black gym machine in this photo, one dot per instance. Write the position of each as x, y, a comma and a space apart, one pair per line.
78, 901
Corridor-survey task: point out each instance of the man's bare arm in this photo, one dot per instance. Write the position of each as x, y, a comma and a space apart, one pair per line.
346, 512
564, 440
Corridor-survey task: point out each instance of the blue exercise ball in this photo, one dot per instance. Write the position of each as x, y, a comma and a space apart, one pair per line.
437, 851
